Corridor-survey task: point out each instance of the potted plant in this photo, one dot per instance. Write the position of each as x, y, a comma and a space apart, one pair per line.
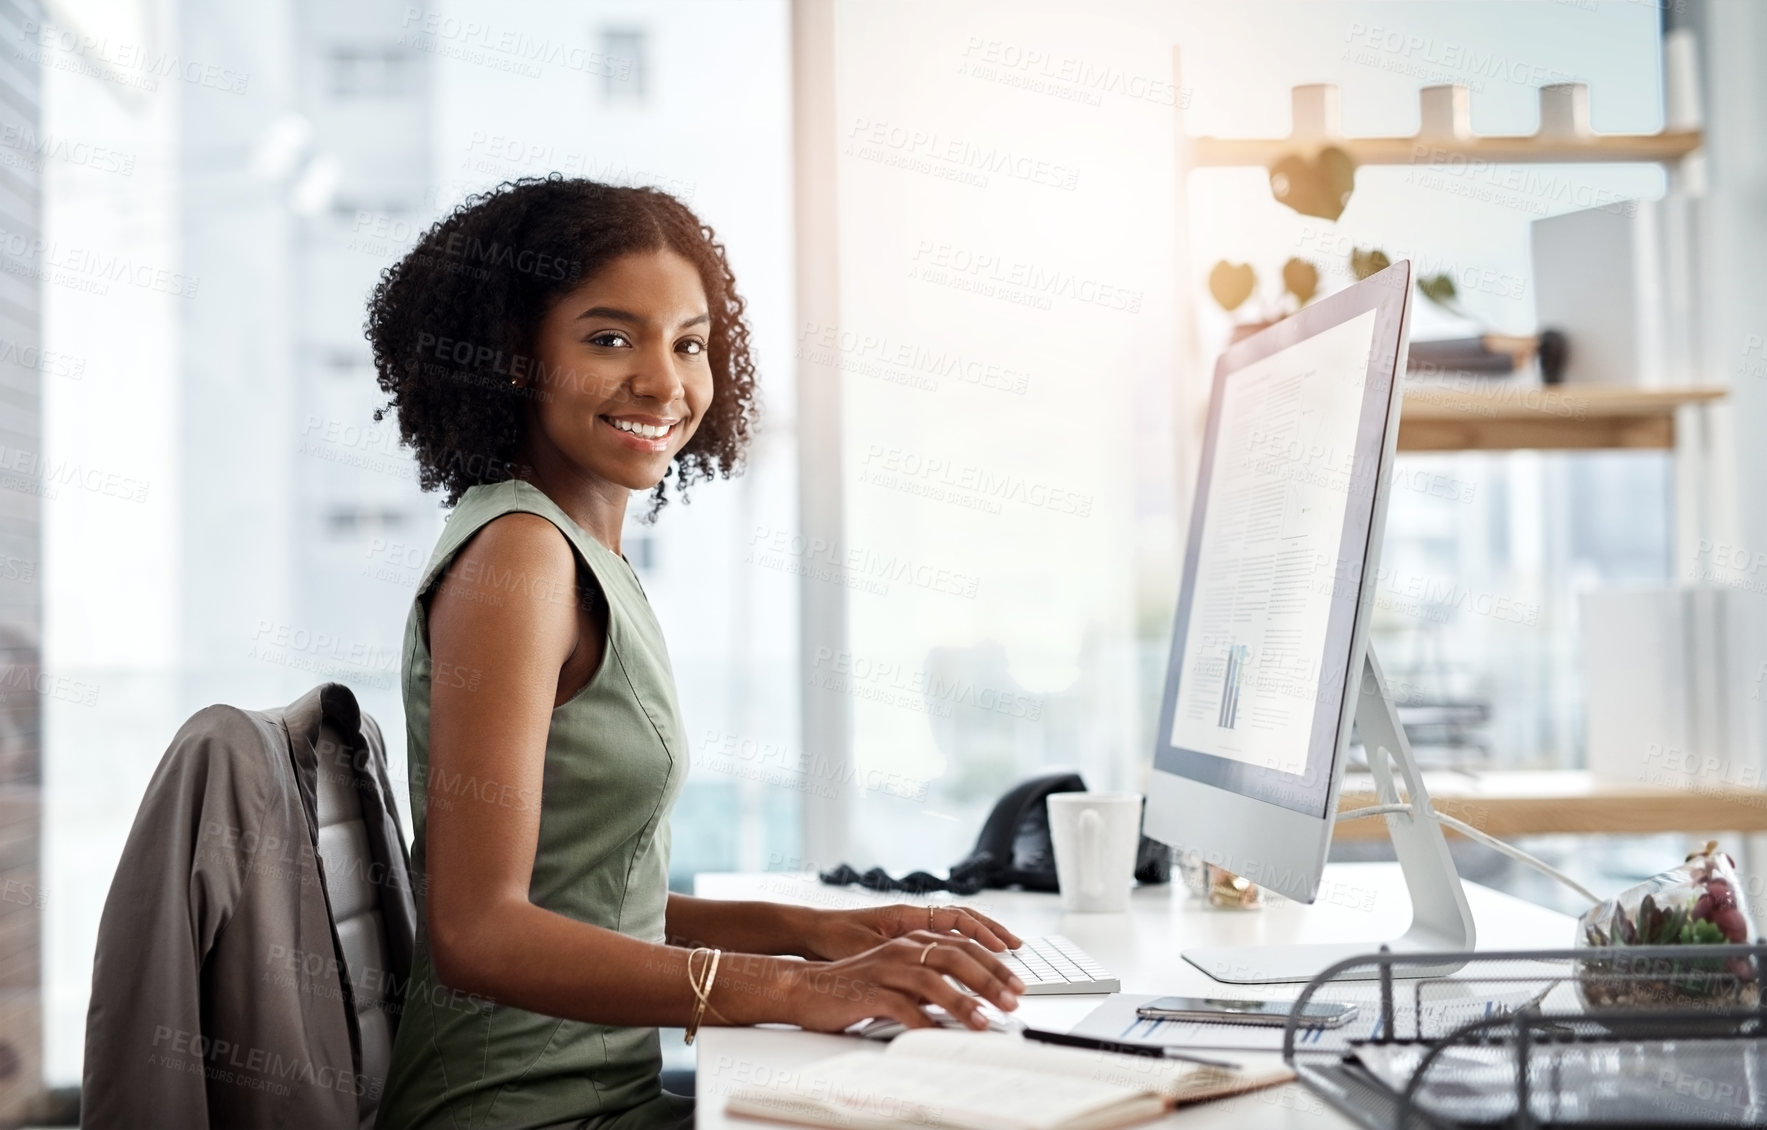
1691, 907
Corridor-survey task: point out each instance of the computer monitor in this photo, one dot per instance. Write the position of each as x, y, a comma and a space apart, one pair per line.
1270, 662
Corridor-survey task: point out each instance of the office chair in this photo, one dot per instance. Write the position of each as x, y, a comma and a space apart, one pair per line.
350, 863
257, 937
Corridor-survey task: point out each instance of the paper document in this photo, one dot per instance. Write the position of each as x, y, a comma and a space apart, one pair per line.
948, 1080
1443, 1006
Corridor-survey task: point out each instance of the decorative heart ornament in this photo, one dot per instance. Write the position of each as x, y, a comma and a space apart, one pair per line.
1231, 283
1320, 187
1301, 279
1370, 262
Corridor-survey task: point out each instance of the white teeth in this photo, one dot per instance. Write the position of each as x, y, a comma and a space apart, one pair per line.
648, 431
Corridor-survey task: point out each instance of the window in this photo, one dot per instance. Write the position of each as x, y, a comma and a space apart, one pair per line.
622, 65
641, 551
242, 405
371, 72
349, 523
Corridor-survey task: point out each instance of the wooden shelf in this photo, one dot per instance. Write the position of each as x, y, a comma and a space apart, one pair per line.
1512, 417
1560, 802
1445, 135
1232, 152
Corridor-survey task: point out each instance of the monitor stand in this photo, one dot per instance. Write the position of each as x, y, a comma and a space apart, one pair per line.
1441, 921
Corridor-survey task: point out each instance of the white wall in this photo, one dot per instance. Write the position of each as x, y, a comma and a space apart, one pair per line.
1006, 297
938, 104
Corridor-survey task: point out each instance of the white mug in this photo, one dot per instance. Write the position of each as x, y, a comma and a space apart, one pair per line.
1095, 836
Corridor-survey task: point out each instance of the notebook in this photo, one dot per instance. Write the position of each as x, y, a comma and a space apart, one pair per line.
934, 1077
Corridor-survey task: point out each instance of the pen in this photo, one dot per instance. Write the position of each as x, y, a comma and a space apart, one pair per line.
1158, 1051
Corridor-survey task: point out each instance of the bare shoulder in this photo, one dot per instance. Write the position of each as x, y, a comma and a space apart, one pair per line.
517, 572
508, 541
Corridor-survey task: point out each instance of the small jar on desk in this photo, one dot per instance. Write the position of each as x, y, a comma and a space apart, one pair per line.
1219, 887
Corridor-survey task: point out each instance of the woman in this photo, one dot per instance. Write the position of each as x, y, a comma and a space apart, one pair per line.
549, 348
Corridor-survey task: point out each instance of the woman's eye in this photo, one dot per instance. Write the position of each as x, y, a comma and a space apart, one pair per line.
692, 347
611, 338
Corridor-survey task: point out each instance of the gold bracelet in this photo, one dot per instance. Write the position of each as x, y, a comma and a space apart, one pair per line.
699, 1002
705, 991
702, 993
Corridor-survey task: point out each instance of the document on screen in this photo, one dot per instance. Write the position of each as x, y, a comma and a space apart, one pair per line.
1271, 558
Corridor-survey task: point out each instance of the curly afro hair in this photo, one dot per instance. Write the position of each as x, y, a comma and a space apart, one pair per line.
456, 318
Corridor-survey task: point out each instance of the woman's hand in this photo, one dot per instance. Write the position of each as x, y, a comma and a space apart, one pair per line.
836, 934
898, 979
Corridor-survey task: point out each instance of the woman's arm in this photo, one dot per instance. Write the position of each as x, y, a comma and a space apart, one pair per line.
777, 928
752, 927
488, 939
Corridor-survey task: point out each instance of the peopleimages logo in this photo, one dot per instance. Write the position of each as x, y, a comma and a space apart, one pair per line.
223, 1061
1448, 57
1063, 75
40, 147
70, 265
954, 265
903, 361
149, 64
856, 567
34, 473
504, 256
776, 764
863, 676
26, 355
929, 151
505, 48
912, 472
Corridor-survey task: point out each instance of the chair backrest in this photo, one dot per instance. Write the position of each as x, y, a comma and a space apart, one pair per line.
355, 884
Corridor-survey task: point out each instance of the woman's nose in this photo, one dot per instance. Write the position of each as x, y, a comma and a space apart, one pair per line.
655, 377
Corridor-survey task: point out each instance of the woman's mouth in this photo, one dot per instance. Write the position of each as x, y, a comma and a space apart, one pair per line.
642, 433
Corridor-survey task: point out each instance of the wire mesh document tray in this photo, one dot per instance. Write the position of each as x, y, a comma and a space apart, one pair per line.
1633, 1036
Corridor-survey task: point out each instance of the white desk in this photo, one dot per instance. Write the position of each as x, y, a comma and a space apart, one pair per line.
1359, 902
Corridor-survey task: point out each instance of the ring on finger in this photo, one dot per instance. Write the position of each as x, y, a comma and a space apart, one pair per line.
930, 947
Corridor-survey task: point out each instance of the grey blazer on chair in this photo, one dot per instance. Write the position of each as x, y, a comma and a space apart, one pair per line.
257, 937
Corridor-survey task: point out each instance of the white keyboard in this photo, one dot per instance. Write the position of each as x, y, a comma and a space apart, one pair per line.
1052, 964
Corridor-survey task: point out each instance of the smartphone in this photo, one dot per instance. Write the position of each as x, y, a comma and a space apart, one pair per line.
1319, 1014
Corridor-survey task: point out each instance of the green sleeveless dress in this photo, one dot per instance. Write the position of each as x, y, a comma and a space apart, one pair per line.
616, 759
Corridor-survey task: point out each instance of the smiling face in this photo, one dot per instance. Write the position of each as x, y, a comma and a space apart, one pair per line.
624, 378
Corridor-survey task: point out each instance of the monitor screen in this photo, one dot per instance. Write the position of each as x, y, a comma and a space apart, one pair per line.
1279, 536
